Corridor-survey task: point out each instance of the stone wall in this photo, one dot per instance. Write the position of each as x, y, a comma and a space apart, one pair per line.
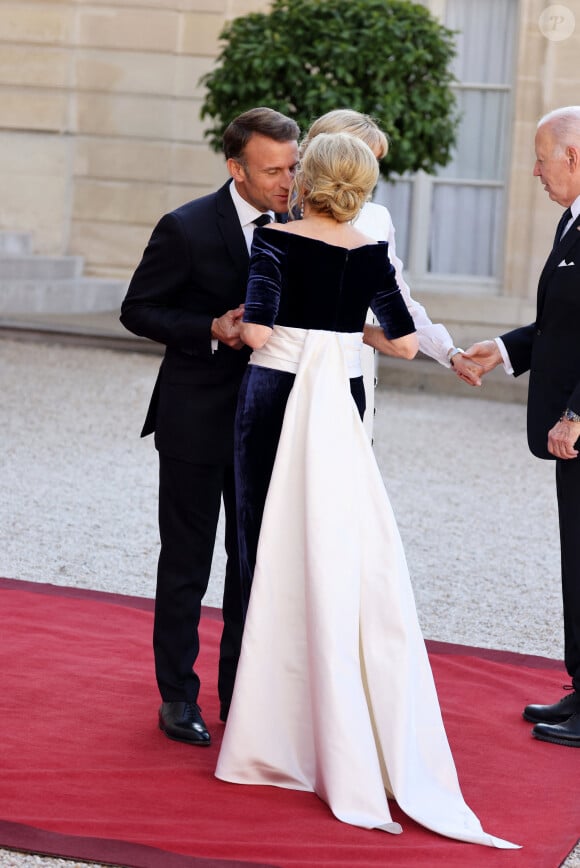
100, 131
547, 77
99, 114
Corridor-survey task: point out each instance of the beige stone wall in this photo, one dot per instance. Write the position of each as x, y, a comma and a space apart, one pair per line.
100, 131
99, 119
548, 76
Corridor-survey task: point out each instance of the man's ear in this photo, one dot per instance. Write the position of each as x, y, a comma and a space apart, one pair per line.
573, 157
236, 170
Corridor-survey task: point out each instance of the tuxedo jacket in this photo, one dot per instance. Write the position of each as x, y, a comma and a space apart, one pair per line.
194, 268
550, 347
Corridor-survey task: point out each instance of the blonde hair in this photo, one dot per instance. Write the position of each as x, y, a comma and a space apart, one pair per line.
336, 175
349, 121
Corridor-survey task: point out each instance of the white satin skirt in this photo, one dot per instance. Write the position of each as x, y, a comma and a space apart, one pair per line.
334, 692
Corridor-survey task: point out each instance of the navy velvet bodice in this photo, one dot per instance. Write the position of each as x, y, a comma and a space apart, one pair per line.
301, 282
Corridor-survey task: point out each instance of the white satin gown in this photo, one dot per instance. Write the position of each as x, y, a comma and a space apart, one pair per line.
334, 692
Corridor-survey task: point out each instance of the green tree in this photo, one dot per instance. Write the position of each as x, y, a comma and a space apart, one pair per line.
390, 59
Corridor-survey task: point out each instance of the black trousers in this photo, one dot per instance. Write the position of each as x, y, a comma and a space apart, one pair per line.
568, 491
189, 505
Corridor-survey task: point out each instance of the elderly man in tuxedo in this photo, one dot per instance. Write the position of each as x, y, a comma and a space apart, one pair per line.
550, 349
187, 294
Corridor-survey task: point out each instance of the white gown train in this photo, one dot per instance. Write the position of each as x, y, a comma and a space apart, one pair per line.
334, 692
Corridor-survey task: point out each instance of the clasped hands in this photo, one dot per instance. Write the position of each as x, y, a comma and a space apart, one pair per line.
226, 328
467, 369
477, 361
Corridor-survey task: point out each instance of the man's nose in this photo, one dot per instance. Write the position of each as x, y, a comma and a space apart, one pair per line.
536, 173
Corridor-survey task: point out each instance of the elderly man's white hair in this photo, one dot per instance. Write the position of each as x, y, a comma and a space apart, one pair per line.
565, 126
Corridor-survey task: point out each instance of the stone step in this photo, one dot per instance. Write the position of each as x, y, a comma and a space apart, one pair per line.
81, 295
15, 243
30, 267
98, 329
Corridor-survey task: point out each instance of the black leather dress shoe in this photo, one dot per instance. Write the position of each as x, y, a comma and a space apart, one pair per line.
556, 713
182, 721
567, 733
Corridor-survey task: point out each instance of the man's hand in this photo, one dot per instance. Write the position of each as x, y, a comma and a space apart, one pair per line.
466, 369
562, 437
226, 328
486, 354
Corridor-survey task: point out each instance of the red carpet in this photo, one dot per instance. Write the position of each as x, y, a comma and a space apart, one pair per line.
86, 774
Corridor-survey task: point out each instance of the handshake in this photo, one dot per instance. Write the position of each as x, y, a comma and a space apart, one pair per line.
470, 365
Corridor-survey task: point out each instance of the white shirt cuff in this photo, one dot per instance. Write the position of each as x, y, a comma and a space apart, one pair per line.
507, 365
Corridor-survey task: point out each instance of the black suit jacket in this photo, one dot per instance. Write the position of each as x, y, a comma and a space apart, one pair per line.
550, 347
194, 268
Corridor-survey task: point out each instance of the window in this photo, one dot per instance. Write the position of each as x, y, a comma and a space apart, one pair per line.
431, 213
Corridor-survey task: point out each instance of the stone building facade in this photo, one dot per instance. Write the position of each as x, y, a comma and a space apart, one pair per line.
100, 134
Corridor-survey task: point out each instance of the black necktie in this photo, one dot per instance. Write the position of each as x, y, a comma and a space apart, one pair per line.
262, 220
562, 225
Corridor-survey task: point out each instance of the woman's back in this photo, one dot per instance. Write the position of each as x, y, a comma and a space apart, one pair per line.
303, 282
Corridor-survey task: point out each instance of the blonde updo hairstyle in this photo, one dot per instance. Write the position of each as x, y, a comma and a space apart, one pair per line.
336, 176
349, 121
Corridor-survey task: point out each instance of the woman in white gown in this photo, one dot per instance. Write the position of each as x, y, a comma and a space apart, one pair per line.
375, 221
334, 692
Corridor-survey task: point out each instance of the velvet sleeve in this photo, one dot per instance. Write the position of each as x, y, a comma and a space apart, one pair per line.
265, 279
388, 304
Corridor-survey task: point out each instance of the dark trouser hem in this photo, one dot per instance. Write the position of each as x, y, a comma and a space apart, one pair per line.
568, 492
189, 505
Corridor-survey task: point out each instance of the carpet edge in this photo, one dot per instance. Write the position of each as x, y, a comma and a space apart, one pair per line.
108, 851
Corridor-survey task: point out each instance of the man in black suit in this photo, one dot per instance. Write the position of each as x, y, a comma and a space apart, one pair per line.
187, 293
550, 349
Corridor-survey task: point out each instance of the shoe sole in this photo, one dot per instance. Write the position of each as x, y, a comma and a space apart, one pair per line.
554, 739
550, 721
184, 740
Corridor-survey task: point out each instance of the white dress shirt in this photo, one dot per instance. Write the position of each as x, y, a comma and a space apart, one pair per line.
575, 209
246, 215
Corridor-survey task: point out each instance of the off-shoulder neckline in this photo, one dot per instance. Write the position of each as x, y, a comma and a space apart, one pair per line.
263, 229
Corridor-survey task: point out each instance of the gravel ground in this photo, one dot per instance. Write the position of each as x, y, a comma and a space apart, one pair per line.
80, 496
